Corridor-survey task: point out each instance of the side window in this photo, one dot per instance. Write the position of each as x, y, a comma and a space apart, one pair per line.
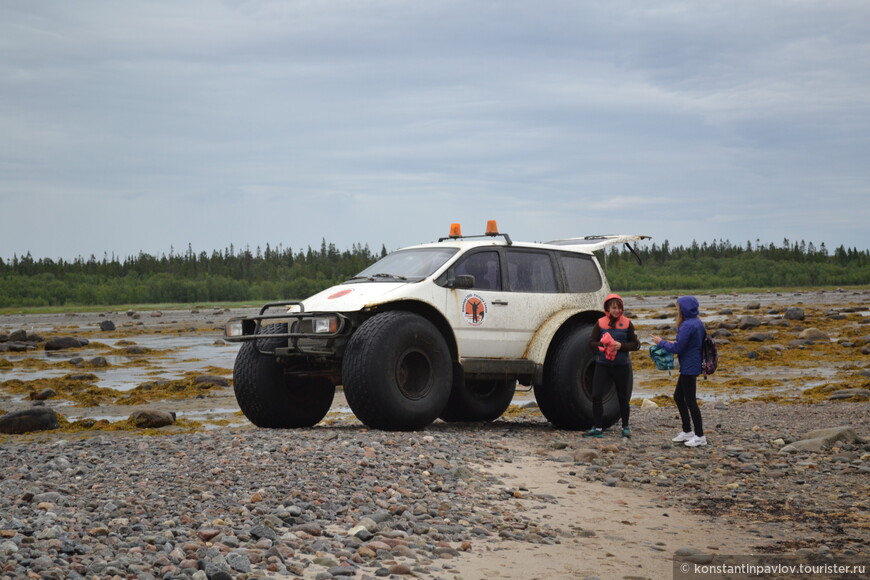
484, 267
531, 272
581, 272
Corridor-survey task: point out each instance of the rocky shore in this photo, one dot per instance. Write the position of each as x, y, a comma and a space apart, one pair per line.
343, 501
209, 496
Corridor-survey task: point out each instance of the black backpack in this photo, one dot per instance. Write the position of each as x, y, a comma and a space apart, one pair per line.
709, 355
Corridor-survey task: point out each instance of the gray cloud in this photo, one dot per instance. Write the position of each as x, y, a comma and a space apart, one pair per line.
143, 126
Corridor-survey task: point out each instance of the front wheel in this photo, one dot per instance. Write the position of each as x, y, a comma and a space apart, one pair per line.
271, 398
565, 397
397, 372
479, 400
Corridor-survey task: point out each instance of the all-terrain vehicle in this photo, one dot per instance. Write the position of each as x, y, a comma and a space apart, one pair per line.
441, 330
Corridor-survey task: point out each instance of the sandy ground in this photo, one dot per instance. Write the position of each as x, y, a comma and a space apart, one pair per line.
635, 533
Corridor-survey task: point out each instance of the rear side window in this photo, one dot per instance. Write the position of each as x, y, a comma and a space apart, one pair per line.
485, 269
581, 272
531, 272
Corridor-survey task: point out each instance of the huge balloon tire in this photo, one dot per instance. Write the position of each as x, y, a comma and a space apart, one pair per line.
565, 397
271, 398
397, 372
479, 400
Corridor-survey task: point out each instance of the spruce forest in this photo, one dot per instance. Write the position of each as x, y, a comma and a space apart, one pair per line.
232, 275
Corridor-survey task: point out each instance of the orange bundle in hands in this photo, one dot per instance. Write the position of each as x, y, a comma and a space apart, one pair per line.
608, 346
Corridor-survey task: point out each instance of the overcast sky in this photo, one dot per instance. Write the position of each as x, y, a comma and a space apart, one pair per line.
131, 126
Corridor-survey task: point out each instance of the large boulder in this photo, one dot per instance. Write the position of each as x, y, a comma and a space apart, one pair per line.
16, 347
43, 395
18, 336
28, 420
813, 334
845, 394
748, 322
152, 418
834, 434
794, 313
98, 361
63, 342
821, 439
211, 380
760, 337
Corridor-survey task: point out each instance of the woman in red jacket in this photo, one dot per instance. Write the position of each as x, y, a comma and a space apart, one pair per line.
613, 337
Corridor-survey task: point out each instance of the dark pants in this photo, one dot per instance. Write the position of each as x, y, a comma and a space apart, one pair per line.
605, 375
687, 403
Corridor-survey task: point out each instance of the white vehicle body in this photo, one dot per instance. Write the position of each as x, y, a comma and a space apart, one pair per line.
498, 306
513, 325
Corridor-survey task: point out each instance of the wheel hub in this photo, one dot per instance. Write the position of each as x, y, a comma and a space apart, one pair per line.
414, 374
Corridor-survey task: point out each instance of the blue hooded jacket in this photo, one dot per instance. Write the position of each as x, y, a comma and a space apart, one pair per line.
690, 337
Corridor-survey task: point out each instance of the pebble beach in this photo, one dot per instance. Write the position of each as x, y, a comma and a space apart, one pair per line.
332, 502
514, 498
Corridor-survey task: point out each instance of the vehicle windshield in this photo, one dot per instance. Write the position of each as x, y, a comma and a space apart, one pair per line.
406, 265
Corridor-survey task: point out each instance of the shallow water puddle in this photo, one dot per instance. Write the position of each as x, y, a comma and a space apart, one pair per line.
174, 356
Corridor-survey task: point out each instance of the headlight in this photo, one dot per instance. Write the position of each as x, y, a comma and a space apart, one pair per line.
325, 325
234, 328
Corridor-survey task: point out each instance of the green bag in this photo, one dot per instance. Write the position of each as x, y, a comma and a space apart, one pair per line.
664, 360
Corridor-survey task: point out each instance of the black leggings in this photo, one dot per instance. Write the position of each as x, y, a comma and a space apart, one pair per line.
687, 403
604, 376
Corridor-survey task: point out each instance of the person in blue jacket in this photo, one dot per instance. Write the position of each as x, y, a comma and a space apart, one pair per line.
687, 347
612, 338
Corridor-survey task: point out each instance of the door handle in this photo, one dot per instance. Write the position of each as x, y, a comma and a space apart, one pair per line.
500, 302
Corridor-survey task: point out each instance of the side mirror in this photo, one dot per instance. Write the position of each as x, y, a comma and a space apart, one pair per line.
463, 282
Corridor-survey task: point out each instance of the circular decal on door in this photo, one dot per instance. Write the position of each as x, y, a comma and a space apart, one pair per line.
474, 310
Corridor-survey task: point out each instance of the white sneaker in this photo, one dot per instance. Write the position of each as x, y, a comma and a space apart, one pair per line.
683, 436
696, 441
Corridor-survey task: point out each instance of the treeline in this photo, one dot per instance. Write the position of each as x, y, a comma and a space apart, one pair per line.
230, 275
234, 275
723, 265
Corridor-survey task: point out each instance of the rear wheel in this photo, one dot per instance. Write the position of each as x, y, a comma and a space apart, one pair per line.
397, 372
479, 400
268, 396
565, 397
